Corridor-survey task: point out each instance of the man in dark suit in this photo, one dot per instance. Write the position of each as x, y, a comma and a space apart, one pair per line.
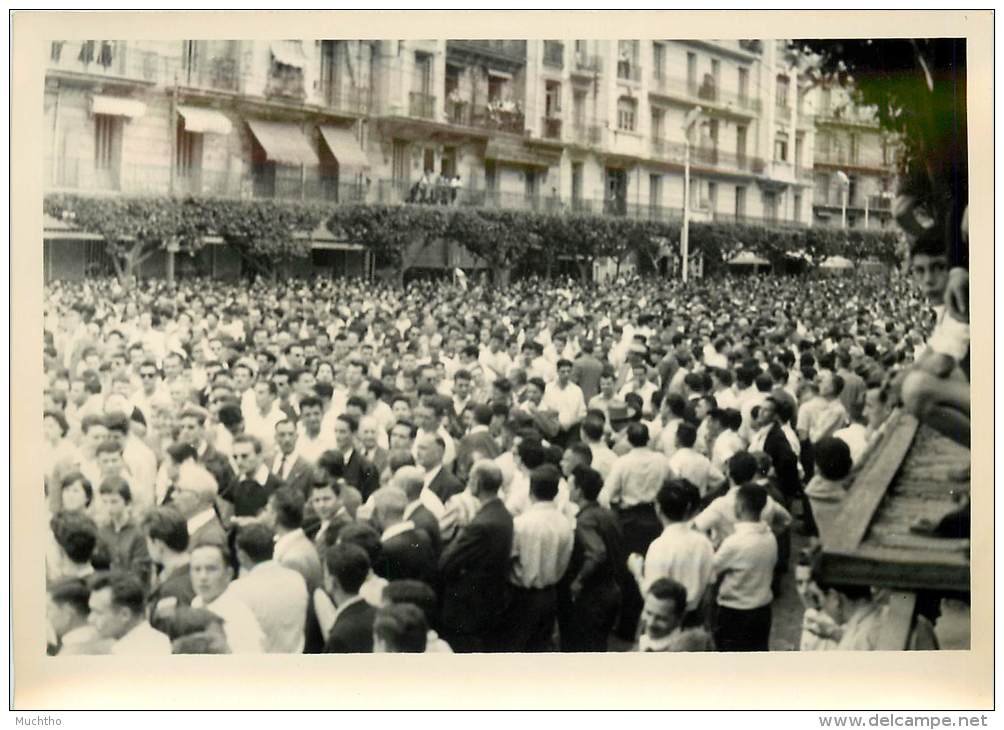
331, 514
589, 596
429, 450
479, 440
166, 534
407, 552
346, 568
769, 438
411, 481
357, 471
295, 471
474, 569
586, 371
255, 483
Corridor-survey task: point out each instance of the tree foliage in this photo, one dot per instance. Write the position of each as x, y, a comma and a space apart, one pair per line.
267, 233
918, 89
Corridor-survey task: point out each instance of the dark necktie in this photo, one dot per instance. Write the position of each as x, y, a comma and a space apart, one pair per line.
282, 466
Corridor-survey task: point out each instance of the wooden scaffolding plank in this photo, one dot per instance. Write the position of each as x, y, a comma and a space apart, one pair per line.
851, 525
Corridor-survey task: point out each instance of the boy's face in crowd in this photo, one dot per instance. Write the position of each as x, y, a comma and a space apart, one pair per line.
930, 274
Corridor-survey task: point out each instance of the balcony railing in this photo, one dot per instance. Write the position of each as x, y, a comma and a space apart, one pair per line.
703, 93
218, 73
628, 71
587, 64
500, 118
291, 183
108, 59
257, 181
551, 127
845, 116
554, 54
706, 156
421, 105
844, 157
458, 112
352, 100
511, 51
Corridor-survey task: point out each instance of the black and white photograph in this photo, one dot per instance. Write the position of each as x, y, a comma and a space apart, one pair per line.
582, 345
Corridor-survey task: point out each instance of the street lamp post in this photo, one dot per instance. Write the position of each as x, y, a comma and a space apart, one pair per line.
688, 124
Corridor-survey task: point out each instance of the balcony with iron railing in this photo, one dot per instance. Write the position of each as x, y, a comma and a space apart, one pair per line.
845, 116
843, 157
349, 99
703, 93
551, 127
584, 64
668, 151
508, 51
421, 105
216, 73
111, 60
270, 182
628, 71
554, 54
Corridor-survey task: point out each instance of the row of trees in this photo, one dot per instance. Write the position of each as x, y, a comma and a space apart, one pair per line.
269, 234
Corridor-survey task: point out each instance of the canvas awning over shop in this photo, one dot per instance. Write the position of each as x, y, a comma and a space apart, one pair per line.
837, 262
289, 53
283, 143
514, 151
748, 258
117, 106
204, 121
345, 148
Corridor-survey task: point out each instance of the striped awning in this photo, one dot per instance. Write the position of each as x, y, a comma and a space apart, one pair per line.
283, 143
204, 120
345, 148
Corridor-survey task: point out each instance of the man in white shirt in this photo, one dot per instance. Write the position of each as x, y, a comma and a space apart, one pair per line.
117, 612
313, 440
832, 416
261, 416
592, 434
680, 552
210, 580
718, 519
543, 538
722, 437
276, 595
687, 464
565, 398
641, 385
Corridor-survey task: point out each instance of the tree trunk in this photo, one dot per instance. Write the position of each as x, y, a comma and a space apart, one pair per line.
584, 267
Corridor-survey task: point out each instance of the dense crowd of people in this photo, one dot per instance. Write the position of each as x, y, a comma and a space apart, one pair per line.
349, 466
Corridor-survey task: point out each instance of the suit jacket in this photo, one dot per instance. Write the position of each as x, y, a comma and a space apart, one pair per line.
381, 457
300, 477
361, 474
353, 630
445, 485
427, 522
785, 462
407, 556
320, 540
249, 498
301, 555
481, 441
474, 570
586, 371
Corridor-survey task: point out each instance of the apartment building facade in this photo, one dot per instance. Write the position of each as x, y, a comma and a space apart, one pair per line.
549, 125
854, 164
